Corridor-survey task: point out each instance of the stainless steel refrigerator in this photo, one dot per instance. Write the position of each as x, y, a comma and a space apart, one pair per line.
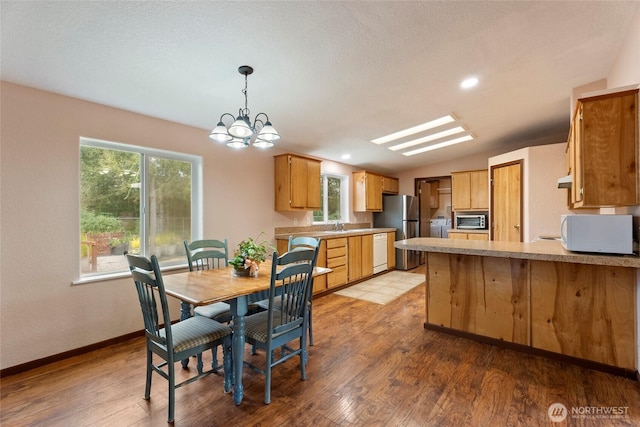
402, 213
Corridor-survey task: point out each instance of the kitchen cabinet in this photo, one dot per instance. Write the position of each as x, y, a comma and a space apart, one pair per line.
297, 183
367, 192
468, 236
360, 260
390, 185
391, 250
337, 261
602, 151
470, 190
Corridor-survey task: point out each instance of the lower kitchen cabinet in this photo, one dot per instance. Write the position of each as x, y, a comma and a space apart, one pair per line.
391, 250
469, 236
360, 259
337, 261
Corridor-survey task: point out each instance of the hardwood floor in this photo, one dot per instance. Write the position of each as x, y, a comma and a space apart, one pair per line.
372, 365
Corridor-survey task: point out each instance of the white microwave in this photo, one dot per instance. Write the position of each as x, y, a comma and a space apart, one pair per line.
597, 233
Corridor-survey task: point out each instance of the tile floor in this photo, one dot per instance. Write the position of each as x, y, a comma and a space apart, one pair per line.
385, 288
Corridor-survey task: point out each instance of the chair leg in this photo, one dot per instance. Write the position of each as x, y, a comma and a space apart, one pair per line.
172, 391
267, 377
310, 328
147, 389
214, 357
199, 365
303, 356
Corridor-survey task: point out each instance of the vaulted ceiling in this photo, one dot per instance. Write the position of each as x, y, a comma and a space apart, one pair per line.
330, 75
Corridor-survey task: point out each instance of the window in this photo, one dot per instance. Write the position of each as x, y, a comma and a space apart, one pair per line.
137, 200
334, 199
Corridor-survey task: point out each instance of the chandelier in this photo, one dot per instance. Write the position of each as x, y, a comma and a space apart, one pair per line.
240, 132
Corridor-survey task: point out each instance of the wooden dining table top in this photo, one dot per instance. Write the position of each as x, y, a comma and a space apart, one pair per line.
215, 285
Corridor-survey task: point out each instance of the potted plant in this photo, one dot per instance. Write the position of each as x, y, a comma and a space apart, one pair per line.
248, 256
119, 245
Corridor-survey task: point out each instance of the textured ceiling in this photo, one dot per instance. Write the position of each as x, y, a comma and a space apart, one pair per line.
330, 75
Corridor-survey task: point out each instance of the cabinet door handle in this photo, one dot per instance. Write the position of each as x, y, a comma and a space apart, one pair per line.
516, 226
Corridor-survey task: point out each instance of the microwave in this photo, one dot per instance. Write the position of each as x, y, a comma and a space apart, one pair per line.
611, 234
471, 222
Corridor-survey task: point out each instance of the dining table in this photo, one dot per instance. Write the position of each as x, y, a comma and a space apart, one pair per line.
223, 285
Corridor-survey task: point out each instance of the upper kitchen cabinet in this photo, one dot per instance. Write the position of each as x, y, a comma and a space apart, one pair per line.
367, 192
390, 185
470, 190
602, 151
297, 183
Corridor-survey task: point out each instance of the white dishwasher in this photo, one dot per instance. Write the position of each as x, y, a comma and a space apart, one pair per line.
379, 252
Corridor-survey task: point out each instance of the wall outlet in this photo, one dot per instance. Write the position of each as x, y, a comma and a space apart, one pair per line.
308, 221
295, 221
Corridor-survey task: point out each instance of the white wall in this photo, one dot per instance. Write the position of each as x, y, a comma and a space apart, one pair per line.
41, 312
542, 201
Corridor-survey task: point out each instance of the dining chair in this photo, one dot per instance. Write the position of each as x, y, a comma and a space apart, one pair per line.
173, 343
311, 243
204, 255
286, 318
298, 243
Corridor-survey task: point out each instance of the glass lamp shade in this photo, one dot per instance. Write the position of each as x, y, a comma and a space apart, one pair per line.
268, 133
238, 143
262, 143
220, 134
240, 128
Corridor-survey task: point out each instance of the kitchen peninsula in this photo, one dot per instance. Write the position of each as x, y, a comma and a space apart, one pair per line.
535, 297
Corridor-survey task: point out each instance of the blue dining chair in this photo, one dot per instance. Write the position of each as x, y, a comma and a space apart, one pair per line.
204, 255
174, 342
298, 243
286, 318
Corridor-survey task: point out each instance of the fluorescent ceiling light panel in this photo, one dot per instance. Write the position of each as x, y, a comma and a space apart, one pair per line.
432, 137
416, 129
439, 145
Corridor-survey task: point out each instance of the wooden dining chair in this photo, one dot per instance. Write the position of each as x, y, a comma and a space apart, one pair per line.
286, 318
173, 343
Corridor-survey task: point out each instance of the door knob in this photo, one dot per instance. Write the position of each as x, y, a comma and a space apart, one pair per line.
516, 226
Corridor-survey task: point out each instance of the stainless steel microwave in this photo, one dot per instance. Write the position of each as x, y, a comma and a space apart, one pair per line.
471, 222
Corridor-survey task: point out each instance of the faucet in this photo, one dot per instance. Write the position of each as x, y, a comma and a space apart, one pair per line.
338, 225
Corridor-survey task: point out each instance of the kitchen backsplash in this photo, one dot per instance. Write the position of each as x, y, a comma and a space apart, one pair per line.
321, 227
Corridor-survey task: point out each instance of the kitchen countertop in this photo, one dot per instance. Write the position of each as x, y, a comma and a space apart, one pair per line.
542, 250
333, 233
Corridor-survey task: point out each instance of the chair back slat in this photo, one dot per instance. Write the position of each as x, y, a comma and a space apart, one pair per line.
207, 254
148, 280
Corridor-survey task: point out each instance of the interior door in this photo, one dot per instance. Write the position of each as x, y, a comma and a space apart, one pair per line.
506, 209
425, 209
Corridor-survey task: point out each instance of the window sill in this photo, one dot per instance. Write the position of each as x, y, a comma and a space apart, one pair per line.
124, 274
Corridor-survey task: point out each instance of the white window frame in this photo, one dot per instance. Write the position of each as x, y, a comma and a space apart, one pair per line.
196, 197
344, 197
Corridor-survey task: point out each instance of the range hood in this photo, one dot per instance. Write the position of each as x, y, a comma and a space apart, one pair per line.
565, 181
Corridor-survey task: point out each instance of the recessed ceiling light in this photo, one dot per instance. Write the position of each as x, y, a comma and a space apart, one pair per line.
346, 156
469, 83
432, 137
420, 128
439, 145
